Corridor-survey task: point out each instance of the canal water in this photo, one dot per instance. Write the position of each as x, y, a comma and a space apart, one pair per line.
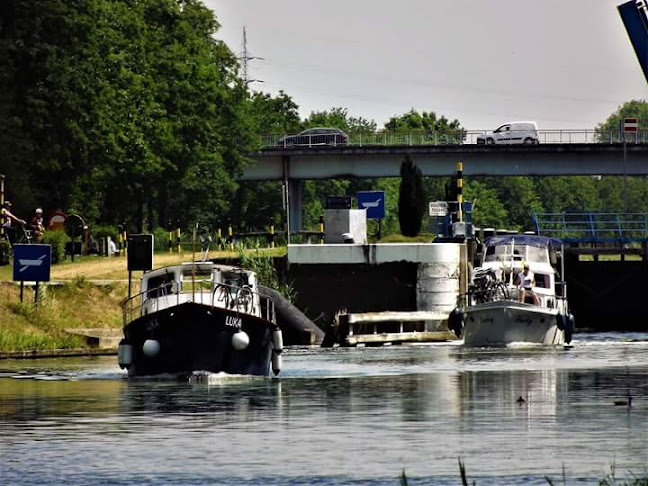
335, 417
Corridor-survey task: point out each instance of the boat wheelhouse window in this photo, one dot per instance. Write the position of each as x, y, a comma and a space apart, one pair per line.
160, 286
196, 276
542, 280
502, 253
197, 272
536, 254
235, 279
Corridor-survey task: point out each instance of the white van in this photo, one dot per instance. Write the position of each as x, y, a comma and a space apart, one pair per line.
512, 132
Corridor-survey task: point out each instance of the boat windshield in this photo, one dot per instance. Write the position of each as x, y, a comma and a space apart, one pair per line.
196, 277
502, 253
160, 286
536, 254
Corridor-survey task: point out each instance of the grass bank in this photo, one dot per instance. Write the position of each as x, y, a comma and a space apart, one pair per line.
26, 326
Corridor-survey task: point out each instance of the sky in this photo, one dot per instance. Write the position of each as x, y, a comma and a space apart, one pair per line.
566, 64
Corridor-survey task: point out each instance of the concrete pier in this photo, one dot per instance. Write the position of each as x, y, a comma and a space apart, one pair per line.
379, 281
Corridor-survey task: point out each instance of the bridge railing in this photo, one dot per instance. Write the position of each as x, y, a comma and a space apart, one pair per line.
593, 227
459, 137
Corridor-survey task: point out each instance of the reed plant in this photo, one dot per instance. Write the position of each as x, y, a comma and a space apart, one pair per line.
609, 479
262, 262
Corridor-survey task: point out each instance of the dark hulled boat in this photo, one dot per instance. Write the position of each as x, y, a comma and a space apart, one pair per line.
200, 317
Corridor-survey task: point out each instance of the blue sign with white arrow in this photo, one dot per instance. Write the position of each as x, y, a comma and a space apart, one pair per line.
373, 202
32, 263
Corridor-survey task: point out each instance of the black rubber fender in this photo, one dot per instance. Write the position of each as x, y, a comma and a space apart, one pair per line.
297, 328
456, 321
569, 327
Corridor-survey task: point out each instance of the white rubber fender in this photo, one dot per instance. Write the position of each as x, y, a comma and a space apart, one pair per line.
276, 362
277, 341
277, 348
151, 348
240, 340
125, 355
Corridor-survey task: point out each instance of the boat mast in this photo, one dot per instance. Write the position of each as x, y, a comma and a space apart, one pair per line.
193, 264
512, 262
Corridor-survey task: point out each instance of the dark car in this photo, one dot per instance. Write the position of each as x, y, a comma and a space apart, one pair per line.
315, 136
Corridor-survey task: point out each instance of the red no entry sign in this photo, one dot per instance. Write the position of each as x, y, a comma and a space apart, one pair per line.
630, 124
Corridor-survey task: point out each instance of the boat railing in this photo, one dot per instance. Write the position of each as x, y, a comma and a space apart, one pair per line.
239, 299
487, 287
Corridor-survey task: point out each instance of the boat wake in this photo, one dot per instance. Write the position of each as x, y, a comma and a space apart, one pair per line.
221, 378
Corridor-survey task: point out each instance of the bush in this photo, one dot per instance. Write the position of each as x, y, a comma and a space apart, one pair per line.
161, 239
101, 231
57, 239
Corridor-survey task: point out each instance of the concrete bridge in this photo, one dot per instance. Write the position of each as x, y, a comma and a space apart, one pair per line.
293, 165
326, 162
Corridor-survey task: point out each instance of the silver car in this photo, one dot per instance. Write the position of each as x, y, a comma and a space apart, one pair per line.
510, 133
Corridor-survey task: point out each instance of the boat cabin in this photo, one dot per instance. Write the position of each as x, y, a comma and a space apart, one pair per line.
205, 283
506, 256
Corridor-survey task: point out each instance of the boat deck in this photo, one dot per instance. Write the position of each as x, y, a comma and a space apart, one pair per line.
375, 328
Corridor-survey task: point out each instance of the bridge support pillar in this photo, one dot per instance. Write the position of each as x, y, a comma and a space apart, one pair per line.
295, 192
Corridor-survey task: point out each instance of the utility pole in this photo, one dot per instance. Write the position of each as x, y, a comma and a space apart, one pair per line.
245, 58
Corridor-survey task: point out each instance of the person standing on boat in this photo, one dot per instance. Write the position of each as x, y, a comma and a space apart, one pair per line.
526, 282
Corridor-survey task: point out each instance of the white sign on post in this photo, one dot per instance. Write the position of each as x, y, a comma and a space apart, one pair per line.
438, 208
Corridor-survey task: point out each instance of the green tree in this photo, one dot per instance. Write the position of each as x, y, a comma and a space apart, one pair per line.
439, 129
125, 111
519, 198
568, 193
339, 118
256, 202
413, 120
411, 198
274, 115
315, 193
609, 130
623, 194
44, 100
488, 210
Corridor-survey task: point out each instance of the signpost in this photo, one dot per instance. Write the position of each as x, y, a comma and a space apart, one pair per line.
629, 125
438, 208
140, 255
31, 264
374, 203
74, 226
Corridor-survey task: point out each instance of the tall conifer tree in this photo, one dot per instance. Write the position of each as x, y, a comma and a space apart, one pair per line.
412, 198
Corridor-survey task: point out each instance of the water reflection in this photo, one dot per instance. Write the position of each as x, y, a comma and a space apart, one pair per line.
334, 417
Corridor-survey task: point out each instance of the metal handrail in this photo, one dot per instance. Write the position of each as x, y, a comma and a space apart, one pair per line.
462, 137
238, 299
593, 227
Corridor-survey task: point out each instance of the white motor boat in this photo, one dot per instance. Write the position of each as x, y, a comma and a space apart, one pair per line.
492, 312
